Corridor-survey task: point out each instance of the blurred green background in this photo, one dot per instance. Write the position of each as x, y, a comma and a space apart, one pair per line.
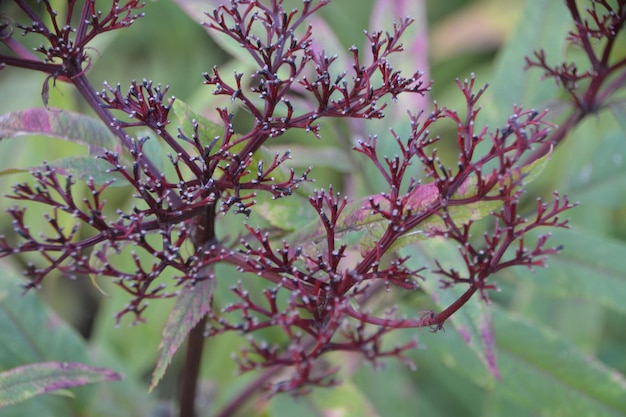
561, 332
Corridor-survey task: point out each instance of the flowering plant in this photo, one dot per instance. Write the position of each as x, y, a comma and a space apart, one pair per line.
241, 239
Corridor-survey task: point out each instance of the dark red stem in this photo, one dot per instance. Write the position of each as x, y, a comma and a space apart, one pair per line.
191, 371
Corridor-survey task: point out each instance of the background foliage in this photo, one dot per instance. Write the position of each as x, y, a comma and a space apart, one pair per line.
561, 345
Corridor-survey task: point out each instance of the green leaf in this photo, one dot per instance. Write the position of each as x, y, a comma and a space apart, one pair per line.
399, 392
128, 397
62, 124
618, 108
134, 345
196, 10
512, 83
474, 320
27, 381
600, 174
293, 213
345, 400
287, 406
21, 320
191, 306
88, 167
549, 375
31, 334
542, 373
590, 267
69, 126
359, 224
153, 149
184, 118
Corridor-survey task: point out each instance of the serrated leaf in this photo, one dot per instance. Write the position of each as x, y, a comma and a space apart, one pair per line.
69, 126
27, 381
61, 124
191, 306
473, 321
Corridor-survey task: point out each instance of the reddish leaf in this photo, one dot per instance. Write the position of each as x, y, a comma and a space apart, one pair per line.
416, 44
61, 124
27, 381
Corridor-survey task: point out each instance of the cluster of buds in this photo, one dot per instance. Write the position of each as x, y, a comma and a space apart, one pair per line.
319, 282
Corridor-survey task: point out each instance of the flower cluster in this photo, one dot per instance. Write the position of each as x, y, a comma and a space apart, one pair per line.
324, 307
319, 282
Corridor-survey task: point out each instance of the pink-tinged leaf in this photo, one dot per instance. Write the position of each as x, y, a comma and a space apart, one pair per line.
61, 124
360, 225
72, 127
27, 381
326, 39
415, 44
489, 344
474, 320
191, 306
